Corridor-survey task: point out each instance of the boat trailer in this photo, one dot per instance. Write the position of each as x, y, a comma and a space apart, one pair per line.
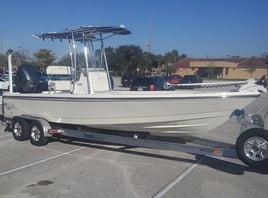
251, 145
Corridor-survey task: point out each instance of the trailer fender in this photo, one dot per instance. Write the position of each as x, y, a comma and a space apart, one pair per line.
39, 132
45, 125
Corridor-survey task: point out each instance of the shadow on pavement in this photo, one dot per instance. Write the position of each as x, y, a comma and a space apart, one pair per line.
220, 164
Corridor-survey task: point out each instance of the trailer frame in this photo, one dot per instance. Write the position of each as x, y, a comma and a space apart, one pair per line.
38, 130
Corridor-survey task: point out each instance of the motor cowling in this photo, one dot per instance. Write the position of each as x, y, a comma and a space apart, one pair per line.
27, 79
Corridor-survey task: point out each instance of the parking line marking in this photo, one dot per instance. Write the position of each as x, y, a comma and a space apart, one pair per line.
2, 136
39, 162
178, 179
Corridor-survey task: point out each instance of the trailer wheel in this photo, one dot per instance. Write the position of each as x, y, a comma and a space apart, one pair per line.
20, 129
37, 137
252, 147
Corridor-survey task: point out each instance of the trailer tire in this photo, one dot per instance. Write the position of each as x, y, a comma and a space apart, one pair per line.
20, 129
252, 147
37, 136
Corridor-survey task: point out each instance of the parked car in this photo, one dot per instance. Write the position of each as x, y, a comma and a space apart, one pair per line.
173, 79
154, 83
42, 82
127, 79
191, 79
4, 84
6, 75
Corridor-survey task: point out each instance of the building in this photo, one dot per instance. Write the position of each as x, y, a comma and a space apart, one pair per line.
226, 68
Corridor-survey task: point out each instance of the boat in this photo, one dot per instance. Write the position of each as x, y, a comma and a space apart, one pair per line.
91, 102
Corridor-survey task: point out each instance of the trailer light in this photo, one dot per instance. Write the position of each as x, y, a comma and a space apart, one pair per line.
217, 152
6, 121
54, 131
152, 88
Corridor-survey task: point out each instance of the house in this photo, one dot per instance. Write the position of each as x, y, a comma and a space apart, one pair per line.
226, 68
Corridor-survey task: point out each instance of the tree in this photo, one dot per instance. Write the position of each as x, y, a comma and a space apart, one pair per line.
45, 57
111, 59
251, 68
183, 56
66, 60
3, 62
129, 58
170, 59
172, 56
20, 56
123, 59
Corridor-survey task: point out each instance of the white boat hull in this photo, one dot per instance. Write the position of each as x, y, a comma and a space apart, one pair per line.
161, 113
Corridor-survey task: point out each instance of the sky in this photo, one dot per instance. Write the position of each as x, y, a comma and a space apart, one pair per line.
198, 28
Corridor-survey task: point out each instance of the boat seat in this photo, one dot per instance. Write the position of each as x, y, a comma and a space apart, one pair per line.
98, 82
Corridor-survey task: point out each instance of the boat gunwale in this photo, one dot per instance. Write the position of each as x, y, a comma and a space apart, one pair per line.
107, 96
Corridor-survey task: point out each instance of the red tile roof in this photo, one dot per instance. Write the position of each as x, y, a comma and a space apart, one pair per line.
241, 62
253, 62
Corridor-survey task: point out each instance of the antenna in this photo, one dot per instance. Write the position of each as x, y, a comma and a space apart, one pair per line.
149, 46
1, 41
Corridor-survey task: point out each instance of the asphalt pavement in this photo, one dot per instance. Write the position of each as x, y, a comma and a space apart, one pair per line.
70, 169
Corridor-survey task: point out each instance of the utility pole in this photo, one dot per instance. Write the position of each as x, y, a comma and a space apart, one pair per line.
1, 43
148, 50
266, 66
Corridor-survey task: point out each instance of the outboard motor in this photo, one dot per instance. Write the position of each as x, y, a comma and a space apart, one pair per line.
26, 79
262, 81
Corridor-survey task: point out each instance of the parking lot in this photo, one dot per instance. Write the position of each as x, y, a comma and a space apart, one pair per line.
66, 169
